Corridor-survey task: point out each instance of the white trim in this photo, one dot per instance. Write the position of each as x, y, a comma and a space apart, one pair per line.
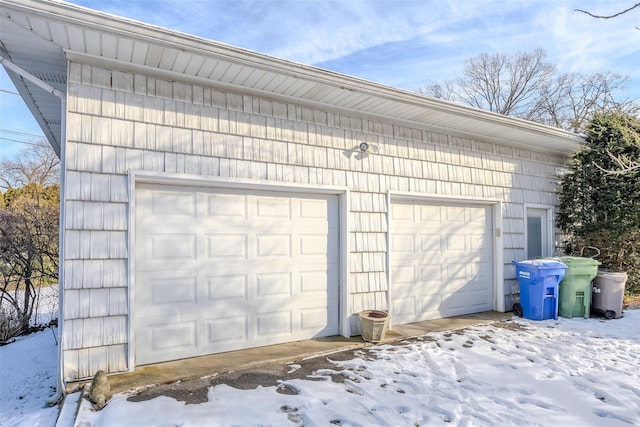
142, 32
136, 177
498, 256
62, 232
119, 65
401, 106
400, 195
32, 79
239, 183
131, 265
498, 302
388, 258
345, 249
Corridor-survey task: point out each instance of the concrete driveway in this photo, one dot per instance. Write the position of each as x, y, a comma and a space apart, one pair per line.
188, 380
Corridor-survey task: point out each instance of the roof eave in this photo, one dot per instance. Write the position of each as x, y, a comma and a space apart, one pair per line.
563, 142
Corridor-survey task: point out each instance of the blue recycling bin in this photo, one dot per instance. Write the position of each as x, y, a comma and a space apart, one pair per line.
539, 281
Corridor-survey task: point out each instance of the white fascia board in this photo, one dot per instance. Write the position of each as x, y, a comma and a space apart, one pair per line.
82, 58
136, 30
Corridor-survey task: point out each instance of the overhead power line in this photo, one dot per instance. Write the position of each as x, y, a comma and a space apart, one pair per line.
13, 132
9, 92
20, 142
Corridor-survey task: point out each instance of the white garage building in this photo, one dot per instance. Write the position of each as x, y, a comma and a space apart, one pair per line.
215, 198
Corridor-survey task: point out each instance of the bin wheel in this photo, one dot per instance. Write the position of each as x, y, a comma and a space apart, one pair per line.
609, 314
517, 309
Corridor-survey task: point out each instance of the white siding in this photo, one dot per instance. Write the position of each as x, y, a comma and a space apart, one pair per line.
118, 122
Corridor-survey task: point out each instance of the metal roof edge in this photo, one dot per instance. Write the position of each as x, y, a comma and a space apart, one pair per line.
120, 65
106, 22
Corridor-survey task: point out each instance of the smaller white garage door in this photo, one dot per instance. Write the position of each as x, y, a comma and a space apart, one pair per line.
441, 260
226, 269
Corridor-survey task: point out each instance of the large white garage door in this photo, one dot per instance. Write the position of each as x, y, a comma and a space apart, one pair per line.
441, 260
226, 269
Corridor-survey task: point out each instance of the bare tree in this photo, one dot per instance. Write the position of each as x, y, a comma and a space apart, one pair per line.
28, 249
500, 83
614, 15
571, 100
37, 164
524, 85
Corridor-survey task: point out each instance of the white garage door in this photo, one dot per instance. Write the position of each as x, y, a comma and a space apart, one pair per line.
226, 269
441, 260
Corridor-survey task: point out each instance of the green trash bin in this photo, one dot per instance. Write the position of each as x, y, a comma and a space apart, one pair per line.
574, 290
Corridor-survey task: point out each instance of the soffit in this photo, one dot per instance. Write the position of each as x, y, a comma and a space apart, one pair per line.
40, 35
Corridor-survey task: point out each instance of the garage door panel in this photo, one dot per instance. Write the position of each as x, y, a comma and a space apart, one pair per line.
402, 213
168, 292
453, 215
479, 244
455, 272
454, 259
273, 284
172, 246
274, 207
313, 244
315, 282
428, 306
430, 241
314, 209
431, 274
227, 206
429, 214
479, 297
479, 269
227, 289
179, 290
455, 303
405, 307
273, 324
173, 203
403, 243
455, 243
273, 245
174, 335
403, 274
168, 334
314, 320
251, 268
227, 246
227, 330
152, 256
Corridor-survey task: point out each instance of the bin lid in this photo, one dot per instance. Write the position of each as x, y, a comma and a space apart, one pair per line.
576, 260
540, 264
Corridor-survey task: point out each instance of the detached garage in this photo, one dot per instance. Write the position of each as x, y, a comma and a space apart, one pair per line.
215, 198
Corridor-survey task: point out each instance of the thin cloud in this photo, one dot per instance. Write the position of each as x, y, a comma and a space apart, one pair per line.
339, 34
582, 43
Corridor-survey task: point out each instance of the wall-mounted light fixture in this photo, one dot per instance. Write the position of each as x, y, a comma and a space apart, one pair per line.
362, 150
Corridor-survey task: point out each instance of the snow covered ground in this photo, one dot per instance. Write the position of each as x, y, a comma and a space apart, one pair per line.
527, 373
27, 379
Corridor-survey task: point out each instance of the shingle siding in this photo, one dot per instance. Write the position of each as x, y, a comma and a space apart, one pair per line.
120, 122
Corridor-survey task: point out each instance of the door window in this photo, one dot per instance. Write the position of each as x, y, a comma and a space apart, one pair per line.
538, 233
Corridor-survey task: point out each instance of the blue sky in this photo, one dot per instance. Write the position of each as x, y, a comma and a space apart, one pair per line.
400, 43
